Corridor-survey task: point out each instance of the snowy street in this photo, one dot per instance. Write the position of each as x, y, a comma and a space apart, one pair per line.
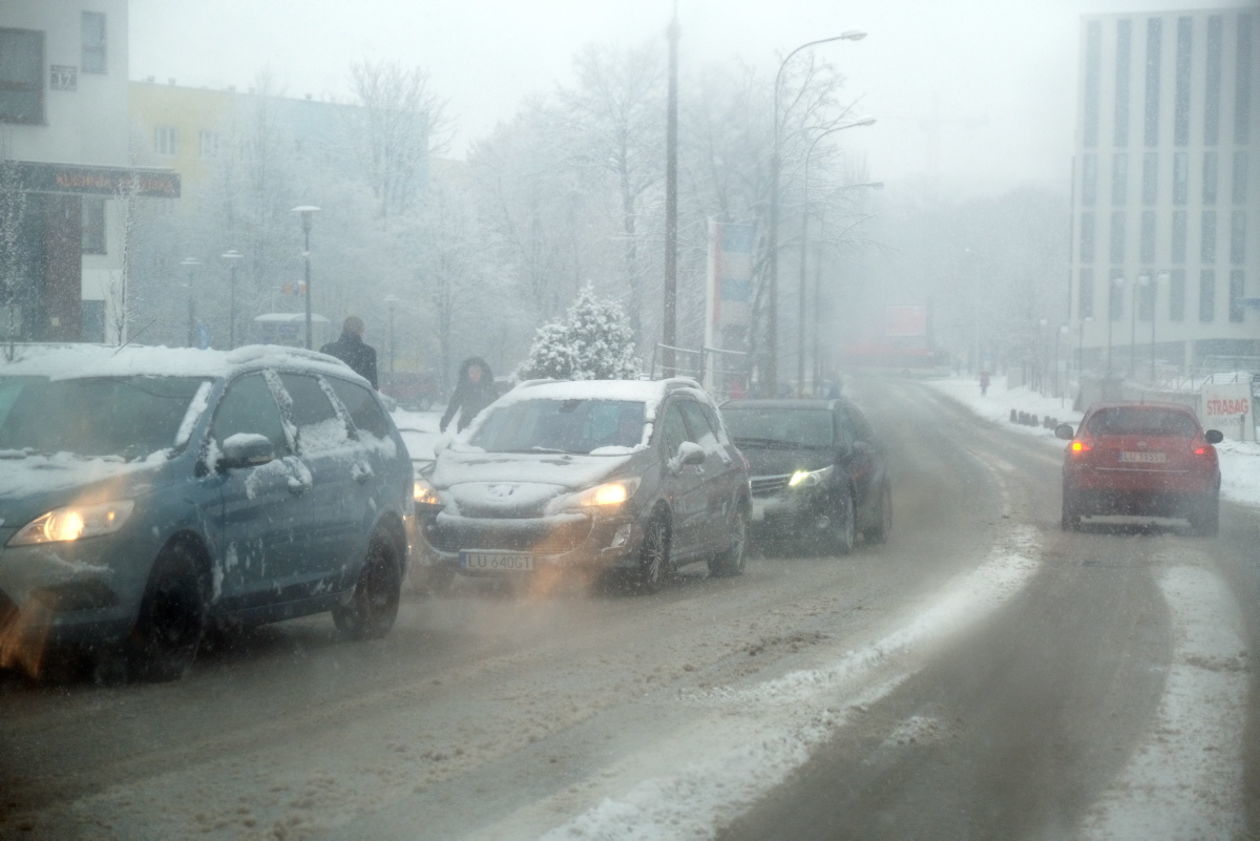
983, 675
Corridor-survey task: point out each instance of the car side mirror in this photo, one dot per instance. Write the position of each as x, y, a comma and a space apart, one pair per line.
1214, 436
246, 449
844, 450
689, 452
1064, 431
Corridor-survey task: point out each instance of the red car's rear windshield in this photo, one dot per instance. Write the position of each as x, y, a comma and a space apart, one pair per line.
1135, 420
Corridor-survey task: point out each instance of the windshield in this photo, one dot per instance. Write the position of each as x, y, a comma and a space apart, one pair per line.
562, 426
798, 427
1142, 421
122, 416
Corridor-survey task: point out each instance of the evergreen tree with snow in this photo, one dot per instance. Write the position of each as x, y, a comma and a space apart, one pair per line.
593, 341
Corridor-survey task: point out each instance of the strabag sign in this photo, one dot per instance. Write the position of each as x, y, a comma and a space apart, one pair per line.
1229, 408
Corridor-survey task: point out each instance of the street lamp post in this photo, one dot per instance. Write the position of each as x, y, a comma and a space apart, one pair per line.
392, 302
1143, 281
1112, 295
1040, 355
1080, 347
232, 257
1058, 377
1159, 278
306, 211
800, 348
191, 263
772, 305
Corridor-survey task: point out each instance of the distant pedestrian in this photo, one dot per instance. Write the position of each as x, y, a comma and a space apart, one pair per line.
352, 350
473, 392
984, 383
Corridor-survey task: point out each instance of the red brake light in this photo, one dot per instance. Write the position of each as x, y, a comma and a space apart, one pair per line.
1078, 446
1201, 451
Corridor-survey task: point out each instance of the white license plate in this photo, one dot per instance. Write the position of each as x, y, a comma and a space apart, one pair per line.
473, 559
1143, 458
758, 511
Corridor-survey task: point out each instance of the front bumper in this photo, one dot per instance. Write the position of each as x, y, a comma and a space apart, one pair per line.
793, 513
563, 540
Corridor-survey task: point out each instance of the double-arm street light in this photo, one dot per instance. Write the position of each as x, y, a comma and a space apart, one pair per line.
306, 211
191, 264
231, 257
800, 349
772, 308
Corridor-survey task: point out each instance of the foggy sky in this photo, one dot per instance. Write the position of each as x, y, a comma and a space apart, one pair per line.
979, 93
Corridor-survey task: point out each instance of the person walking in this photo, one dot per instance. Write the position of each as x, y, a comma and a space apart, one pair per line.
474, 391
352, 350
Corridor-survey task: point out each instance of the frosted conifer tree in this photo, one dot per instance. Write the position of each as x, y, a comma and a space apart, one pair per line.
593, 341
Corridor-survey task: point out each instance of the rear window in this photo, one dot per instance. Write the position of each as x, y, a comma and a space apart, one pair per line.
1135, 420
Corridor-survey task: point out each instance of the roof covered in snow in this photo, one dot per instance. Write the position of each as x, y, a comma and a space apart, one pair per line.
77, 361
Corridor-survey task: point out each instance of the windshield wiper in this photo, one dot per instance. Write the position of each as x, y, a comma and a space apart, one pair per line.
772, 443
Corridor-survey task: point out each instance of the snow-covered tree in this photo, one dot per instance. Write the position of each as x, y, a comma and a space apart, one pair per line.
593, 341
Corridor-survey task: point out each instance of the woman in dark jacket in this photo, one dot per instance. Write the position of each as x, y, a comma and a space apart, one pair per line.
473, 392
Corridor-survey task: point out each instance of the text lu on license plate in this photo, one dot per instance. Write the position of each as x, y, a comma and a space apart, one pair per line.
496, 561
1143, 458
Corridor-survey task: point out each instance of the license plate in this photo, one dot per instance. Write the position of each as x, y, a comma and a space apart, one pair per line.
496, 561
1143, 458
758, 511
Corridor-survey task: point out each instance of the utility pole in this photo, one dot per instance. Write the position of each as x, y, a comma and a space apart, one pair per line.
669, 328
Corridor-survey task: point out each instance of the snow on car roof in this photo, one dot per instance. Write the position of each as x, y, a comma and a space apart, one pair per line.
648, 392
74, 361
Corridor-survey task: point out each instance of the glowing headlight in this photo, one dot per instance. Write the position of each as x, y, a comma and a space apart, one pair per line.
424, 493
610, 493
74, 522
808, 478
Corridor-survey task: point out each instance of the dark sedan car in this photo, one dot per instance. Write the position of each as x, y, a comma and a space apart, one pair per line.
818, 470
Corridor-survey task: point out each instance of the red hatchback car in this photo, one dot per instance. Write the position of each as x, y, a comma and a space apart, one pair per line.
1141, 459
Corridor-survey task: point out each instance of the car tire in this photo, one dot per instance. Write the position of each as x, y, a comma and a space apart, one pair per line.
883, 526
730, 561
1070, 519
654, 561
173, 615
373, 607
846, 529
1205, 518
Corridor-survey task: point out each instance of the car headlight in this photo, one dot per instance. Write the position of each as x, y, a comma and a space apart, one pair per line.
606, 496
74, 522
809, 478
424, 493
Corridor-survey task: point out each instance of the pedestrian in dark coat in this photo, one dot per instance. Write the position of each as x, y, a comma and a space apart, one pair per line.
473, 392
352, 350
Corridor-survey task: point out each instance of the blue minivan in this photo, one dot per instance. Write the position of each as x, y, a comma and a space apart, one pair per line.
148, 493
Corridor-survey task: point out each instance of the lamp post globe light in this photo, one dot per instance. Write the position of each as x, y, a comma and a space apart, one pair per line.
191, 264
231, 257
772, 308
800, 349
306, 211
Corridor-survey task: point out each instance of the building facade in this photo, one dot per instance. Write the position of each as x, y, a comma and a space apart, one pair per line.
66, 173
1166, 192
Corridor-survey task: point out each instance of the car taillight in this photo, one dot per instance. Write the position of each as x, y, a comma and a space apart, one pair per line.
1078, 446
1205, 450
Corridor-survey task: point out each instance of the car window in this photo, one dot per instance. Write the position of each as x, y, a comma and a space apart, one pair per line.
857, 425
1125, 420
364, 411
674, 430
318, 424
248, 406
702, 431
569, 426
796, 427
715, 421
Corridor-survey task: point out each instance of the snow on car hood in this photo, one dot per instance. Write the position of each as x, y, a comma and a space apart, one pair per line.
558, 471
31, 484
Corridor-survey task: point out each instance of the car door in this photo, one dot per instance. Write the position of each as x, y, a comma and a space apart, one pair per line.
719, 476
866, 460
256, 531
684, 483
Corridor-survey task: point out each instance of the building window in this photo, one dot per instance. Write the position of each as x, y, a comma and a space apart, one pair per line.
1209, 177
1089, 180
1240, 177
1181, 103
1177, 295
1238, 237
1117, 236
93, 225
208, 143
1115, 300
1212, 91
1242, 88
1150, 177
1124, 48
1181, 177
1207, 229
93, 26
1085, 297
1148, 236
21, 76
1207, 295
1237, 309
166, 140
1120, 179
1087, 238
1093, 72
1180, 228
1154, 36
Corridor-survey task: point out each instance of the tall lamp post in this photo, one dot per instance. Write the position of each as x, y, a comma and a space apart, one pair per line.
1080, 347
231, 257
1040, 355
191, 263
1143, 282
391, 301
800, 339
1159, 278
1113, 295
772, 314
306, 211
1058, 377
